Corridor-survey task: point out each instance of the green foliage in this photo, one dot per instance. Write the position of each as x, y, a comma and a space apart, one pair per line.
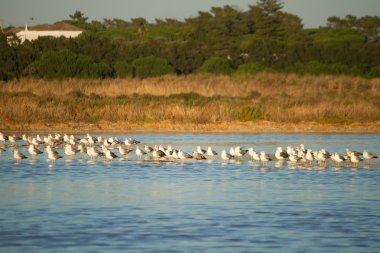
250, 68
337, 36
66, 64
375, 72
151, 66
8, 60
254, 95
101, 70
260, 38
216, 65
122, 69
317, 68
249, 113
78, 17
57, 64
76, 94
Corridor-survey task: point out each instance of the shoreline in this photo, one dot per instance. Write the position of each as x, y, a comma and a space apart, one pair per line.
162, 127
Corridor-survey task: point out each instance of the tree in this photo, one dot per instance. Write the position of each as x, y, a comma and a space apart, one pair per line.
122, 69
79, 17
151, 66
270, 19
66, 64
184, 57
8, 60
216, 65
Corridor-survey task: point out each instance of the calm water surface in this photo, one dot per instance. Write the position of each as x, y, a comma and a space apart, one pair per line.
192, 206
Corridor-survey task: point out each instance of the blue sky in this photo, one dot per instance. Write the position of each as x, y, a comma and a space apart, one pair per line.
313, 12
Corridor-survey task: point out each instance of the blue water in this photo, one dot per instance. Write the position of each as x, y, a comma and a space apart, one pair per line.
193, 206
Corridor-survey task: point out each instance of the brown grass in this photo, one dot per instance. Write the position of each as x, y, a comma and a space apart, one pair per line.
281, 98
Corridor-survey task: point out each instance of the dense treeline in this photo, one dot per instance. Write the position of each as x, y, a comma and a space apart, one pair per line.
224, 40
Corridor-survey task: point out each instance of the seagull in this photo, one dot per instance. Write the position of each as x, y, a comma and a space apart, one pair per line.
157, 154
139, 152
124, 151
35, 142
169, 151
281, 155
175, 154
198, 156
309, 156
200, 150
148, 149
184, 155
294, 158
70, 150
354, 158
232, 151
3, 137
33, 150
13, 139
290, 150
226, 156
82, 149
113, 141
369, 156
18, 155
25, 138
349, 152
106, 143
130, 141
253, 154
239, 152
322, 157
337, 158
110, 155
49, 149
211, 152
264, 157
53, 156
92, 152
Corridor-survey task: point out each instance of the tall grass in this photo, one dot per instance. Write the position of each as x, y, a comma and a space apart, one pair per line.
193, 99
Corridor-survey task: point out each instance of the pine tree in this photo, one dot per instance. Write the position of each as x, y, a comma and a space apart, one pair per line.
270, 18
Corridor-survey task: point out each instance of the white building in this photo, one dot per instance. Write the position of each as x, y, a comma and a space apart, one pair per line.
57, 29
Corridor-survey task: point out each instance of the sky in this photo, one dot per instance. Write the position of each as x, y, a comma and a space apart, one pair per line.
313, 13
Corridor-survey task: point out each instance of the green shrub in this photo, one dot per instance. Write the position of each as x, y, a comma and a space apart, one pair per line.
375, 72
101, 70
64, 64
216, 65
56, 64
151, 66
318, 68
250, 68
122, 69
76, 94
249, 113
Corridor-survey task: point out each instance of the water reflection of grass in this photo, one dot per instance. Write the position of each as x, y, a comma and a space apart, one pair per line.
193, 99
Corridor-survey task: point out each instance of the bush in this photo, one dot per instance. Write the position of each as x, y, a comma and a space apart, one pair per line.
63, 64
216, 65
151, 66
249, 113
375, 72
250, 68
56, 64
66, 64
318, 68
122, 69
101, 70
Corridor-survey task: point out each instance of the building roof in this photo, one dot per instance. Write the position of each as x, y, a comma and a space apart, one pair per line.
58, 26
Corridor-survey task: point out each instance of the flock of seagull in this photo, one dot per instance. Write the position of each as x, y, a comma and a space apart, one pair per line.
103, 148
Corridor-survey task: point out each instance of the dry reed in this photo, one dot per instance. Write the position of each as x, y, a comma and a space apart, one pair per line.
198, 99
